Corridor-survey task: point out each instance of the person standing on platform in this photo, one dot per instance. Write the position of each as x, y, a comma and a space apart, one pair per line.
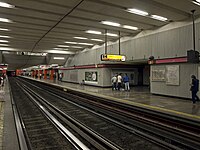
60, 76
114, 82
119, 81
194, 89
126, 82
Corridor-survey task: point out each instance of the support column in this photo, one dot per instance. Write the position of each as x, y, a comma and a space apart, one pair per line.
45, 74
51, 74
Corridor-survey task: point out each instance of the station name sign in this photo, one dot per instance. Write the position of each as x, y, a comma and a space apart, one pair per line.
108, 57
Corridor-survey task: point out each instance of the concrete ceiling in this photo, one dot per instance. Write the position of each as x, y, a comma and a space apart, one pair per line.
37, 25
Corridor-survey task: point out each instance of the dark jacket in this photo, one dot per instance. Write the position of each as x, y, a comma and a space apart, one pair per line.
195, 85
126, 79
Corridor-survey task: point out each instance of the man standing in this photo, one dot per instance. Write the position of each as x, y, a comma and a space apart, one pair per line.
194, 89
114, 82
119, 81
126, 82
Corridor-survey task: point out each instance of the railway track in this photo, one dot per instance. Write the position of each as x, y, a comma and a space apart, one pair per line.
116, 124
39, 131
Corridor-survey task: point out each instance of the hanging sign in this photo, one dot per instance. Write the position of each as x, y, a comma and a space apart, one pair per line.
108, 57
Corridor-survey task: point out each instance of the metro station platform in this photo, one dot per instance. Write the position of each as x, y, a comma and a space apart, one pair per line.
8, 135
140, 96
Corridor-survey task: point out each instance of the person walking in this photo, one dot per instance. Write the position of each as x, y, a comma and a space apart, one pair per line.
126, 82
194, 89
114, 82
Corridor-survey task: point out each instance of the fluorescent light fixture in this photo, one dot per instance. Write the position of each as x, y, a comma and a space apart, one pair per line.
76, 47
4, 36
7, 48
71, 42
4, 41
110, 23
5, 20
58, 48
59, 58
6, 5
62, 45
4, 45
3, 29
93, 32
99, 40
85, 43
137, 12
197, 2
82, 38
111, 34
130, 27
60, 52
159, 18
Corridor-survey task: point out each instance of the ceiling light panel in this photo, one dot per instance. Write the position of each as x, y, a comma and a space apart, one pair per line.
6, 48
3, 29
4, 41
110, 23
112, 34
4, 36
86, 44
6, 5
130, 27
63, 46
58, 48
60, 52
93, 32
99, 40
159, 18
137, 12
71, 42
59, 58
5, 20
81, 38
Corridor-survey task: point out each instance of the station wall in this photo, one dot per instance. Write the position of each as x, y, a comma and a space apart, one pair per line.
78, 75
180, 90
104, 75
171, 40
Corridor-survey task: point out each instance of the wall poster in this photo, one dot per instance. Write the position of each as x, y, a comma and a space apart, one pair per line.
172, 75
91, 76
158, 75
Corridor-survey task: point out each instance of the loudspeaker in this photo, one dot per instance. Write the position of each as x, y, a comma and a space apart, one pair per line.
193, 56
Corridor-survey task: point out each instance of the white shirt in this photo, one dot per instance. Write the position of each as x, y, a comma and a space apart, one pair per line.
119, 78
114, 79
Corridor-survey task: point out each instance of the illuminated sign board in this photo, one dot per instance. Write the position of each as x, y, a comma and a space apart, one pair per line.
108, 57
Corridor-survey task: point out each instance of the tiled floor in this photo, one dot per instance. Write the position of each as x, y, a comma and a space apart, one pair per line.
141, 95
